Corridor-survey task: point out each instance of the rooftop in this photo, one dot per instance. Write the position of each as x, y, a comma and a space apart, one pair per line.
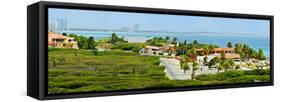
53, 35
153, 47
224, 49
217, 49
232, 56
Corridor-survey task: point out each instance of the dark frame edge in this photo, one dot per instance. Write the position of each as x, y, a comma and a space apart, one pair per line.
85, 6
85, 95
42, 44
42, 79
33, 50
272, 50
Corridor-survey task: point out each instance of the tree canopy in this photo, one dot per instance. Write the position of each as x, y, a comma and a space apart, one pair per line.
156, 41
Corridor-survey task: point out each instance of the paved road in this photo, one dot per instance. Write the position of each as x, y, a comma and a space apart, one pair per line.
173, 70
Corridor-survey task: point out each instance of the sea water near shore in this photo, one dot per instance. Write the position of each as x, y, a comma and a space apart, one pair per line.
254, 41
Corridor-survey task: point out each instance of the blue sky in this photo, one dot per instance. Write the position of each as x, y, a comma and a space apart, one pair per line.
117, 20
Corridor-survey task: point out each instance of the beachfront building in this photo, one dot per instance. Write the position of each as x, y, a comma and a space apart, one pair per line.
229, 54
166, 50
150, 50
60, 41
218, 50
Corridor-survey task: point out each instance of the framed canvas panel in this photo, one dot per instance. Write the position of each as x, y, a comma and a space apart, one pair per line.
86, 50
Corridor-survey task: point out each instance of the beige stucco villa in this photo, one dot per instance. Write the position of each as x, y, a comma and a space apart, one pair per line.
60, 41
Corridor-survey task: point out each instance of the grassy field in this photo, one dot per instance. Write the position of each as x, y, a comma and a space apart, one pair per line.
72, 70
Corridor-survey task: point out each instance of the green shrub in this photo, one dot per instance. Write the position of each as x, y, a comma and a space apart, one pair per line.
232, 74
258, 72
249, 79
128, 46
156, 62
160, 53
119, 70
136, 48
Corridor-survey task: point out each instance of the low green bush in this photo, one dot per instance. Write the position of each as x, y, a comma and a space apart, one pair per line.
128, 46
232, 74
160, 53
258, 72
121, 70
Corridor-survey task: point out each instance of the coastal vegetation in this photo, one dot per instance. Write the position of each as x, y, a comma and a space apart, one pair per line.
238, 76
183, 49
248, 53
80, 70
157, 41
136, 47
113, 63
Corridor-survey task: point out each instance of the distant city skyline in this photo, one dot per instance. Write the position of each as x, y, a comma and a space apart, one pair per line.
58, 24
64, 19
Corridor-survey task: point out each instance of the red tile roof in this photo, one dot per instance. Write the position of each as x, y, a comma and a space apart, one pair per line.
200, 49
224, 49
55, 36
232, 56
153, 47
217, 49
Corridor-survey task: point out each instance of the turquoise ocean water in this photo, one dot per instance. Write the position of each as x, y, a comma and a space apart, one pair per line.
253, 41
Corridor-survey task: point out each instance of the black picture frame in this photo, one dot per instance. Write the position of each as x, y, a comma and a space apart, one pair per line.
37, 49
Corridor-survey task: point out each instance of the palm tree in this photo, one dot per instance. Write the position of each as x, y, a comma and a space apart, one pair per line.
214, 62
229, 45
227, 64
192, 54
184, 42
186, 67
64, 34
195, 42
188, 59
195, 66
222, 55
114, 38
220, 67
231, 63
223, 65
211, 48
91, 42
245, 50
238, 48
167, 38
252, 53
182, 62
237, 67
206, 51
260, 54
175, 39
205, 60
